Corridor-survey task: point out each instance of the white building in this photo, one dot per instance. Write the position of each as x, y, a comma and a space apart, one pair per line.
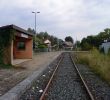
106, 47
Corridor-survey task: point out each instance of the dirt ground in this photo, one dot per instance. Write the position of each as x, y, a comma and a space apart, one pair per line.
10, 77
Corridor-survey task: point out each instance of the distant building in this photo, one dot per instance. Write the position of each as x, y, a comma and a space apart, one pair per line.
105, 46
21, 46
68, 45
48, 43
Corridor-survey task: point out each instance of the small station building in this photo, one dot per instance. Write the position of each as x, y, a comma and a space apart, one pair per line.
21, 46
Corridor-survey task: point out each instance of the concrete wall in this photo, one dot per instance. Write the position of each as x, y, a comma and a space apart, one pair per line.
27, 53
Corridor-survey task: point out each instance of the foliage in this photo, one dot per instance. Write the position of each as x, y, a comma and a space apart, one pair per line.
69, 39
86, 46
37, 41
41, 46
60, 43
96, 40
102, 50
42, 36
4, 66
6, 36
31, 30
77, 43
97, 61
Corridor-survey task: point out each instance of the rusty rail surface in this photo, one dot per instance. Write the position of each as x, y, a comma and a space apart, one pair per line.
84, 83
47, 86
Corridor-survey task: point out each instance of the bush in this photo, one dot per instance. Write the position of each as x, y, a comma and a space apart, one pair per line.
102, 50
42, 46
4, 66
97, 61
86, 46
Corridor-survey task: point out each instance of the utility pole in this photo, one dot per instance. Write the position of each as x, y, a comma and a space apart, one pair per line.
35, 27
76, 43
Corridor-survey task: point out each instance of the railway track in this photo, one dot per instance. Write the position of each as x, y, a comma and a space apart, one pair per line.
66, 82
62, 81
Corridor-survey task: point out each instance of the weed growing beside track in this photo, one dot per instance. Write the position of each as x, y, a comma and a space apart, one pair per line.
97, 61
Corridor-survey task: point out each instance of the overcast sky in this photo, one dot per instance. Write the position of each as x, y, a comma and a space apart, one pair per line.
61, 18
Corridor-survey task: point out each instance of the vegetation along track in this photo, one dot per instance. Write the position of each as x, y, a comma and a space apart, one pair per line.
66, 83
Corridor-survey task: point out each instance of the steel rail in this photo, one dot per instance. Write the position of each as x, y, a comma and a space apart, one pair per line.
49, 82
84, 83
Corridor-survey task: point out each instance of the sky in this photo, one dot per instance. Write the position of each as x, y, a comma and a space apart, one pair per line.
61, 18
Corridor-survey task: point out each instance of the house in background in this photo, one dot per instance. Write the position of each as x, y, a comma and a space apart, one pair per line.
21, 46
48, 43
68, 45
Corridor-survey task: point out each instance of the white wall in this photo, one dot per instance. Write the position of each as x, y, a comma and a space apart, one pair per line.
106, 47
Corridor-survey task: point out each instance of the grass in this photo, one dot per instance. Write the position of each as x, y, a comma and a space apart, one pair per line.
3, 66
9, 66
97, 61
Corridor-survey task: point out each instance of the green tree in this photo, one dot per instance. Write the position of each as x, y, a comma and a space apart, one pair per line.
41, 36
96, 40
77, 44
31, 30
69, 39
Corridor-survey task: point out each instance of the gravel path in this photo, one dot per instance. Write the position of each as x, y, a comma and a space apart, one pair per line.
67, 84
100, 89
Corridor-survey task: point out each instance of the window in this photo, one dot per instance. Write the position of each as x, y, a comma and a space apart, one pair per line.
21, 45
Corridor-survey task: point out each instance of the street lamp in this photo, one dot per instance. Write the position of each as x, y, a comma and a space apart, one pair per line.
35, 26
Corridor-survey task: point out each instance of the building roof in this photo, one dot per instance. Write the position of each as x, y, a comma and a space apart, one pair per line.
47, 41
70, 44
16, 28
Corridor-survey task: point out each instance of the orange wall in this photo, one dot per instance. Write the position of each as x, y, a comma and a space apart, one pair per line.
23, 54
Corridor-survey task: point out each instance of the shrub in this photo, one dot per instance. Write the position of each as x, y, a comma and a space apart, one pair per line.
102, 50
86, 46
6, 37
42, 46
97, 61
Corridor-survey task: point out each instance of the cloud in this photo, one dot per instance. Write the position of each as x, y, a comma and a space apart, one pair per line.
77, 18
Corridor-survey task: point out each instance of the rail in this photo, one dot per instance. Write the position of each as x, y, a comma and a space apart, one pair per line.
84, 83
49, 82
47, 86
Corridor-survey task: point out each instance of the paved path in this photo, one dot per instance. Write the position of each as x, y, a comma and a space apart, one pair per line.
10, 77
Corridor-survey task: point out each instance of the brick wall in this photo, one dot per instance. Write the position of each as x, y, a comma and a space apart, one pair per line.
23, 54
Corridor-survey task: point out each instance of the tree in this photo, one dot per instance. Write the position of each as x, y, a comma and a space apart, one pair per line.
86, 43
96, 40
60, 43
41, 36
77, 44
69, 39
86, 46
31, 30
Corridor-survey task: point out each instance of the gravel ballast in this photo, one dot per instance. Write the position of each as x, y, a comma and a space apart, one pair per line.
100, 89
67, 84
35, 91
